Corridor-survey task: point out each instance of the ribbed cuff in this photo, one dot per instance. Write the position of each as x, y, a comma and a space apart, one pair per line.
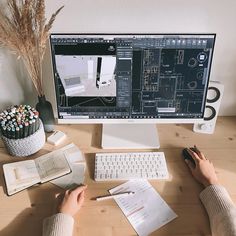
58, 225
216, 199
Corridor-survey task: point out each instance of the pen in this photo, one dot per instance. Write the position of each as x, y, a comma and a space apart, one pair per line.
114, 195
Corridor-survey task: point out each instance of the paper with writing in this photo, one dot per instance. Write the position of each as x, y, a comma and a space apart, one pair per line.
145, 210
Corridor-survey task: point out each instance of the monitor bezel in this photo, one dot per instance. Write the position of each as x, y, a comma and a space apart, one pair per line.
79, 120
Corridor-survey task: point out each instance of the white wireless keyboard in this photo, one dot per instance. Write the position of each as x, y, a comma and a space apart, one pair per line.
125, 166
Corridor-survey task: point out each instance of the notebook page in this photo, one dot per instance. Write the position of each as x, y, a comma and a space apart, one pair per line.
52, 165
20, 175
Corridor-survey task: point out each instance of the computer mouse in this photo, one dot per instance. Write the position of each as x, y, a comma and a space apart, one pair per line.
188, 156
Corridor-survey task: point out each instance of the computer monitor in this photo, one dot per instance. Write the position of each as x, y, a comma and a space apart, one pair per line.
123, 79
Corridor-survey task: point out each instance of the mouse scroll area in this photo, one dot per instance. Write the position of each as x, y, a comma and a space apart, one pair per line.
188, 156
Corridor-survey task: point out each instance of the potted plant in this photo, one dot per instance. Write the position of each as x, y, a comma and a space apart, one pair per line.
25, 31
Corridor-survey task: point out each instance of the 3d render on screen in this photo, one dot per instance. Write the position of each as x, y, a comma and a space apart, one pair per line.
87, 75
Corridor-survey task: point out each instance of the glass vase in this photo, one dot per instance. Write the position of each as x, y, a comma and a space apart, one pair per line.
45, 110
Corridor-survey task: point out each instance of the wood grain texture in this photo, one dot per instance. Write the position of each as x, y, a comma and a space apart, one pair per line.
23, 213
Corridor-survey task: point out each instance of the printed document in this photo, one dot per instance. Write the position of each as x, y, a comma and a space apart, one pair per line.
145, 210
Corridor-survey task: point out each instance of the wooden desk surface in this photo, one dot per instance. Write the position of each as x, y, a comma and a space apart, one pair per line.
23, 213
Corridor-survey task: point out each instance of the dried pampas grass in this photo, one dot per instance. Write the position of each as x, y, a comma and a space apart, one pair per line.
25, 30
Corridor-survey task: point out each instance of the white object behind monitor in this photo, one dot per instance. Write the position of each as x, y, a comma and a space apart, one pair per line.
214, 96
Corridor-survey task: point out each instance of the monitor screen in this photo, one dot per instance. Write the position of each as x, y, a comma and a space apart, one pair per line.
122, 77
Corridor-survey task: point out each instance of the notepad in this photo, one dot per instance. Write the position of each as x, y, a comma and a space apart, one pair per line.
145, 210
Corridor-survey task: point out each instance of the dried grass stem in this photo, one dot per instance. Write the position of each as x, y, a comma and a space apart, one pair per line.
24, 30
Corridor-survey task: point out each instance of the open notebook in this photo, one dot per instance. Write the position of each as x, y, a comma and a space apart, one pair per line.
23, 174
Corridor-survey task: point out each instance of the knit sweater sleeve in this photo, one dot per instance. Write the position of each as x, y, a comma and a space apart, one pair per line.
221, 210
58, 225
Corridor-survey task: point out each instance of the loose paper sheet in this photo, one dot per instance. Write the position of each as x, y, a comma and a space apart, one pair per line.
77, 164
145, 210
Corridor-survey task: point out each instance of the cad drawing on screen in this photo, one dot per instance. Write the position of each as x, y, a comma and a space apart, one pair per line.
131, 82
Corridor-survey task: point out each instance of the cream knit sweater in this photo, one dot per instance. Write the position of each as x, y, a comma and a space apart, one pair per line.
221, 210
58, 225
215, 198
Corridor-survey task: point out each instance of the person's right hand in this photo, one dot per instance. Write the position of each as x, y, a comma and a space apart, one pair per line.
204, 171
72, 201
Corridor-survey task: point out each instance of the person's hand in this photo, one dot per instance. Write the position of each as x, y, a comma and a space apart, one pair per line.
204, 171
72, 201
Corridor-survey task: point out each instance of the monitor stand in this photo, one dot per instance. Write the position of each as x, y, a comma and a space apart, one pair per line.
129, 136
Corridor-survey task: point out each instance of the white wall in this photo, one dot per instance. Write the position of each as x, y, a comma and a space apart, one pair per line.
153, 16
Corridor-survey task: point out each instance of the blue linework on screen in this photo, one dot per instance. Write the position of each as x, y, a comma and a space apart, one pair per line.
141, 79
